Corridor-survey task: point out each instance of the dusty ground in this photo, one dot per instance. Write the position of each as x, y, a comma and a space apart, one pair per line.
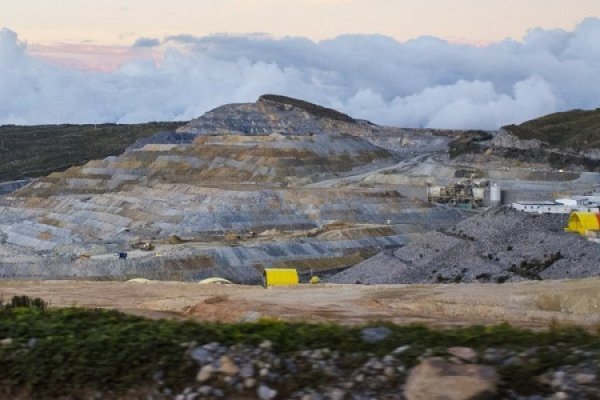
527, 304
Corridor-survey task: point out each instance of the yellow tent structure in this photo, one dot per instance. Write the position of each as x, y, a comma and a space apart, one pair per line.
280, 277
582, 222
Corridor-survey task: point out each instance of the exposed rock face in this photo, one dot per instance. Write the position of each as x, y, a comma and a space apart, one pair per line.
508, 149
275, 114
435, 379
506, 139
287, 116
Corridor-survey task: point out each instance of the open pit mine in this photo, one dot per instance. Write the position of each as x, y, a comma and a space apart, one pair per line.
282, 183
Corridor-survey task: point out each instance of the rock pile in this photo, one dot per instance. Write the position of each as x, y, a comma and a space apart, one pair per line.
498, 245
258, 372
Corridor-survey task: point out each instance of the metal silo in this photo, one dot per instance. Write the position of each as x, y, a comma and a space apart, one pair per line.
495, 195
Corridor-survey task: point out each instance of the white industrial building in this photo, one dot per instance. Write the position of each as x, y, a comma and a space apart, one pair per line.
560, 206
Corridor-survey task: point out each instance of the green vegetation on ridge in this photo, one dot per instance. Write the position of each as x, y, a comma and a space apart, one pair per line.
33, 151
576, 129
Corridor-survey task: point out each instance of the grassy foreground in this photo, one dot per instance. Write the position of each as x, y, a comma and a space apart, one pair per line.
61, 351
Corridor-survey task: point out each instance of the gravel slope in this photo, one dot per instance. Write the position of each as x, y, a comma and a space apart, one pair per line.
498, 245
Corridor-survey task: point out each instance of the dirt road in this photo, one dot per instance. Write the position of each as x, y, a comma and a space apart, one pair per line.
526, 304
354, 179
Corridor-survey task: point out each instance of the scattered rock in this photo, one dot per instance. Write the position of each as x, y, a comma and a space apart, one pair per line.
435, 378
389, 372
201, 355
374, 335
585, 379
204, 390
191, 396
401, 349
247, 370
228, 367
6, 342
266, 393
464, 353
336, 394
205, 373
558, 379
249, 383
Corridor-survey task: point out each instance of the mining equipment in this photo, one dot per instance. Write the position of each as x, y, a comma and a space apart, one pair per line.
466, 194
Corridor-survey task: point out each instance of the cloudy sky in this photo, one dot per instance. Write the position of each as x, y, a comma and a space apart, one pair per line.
425, 63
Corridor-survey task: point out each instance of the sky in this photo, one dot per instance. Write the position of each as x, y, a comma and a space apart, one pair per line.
426, 63
121, 21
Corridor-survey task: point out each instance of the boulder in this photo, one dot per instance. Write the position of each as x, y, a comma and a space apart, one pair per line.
435, 378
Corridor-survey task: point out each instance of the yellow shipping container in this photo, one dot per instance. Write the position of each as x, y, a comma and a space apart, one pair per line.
280, 277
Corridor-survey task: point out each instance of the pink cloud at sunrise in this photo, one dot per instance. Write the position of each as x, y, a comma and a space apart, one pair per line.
103, 58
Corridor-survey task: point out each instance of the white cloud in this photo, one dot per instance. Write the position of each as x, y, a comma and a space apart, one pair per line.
424, 82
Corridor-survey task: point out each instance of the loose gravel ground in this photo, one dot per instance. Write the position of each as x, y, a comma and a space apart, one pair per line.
499, 245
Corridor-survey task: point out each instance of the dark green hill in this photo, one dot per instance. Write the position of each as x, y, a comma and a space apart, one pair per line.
32, 151
577, 129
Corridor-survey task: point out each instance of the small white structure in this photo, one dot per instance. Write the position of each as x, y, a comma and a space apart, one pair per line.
541, 207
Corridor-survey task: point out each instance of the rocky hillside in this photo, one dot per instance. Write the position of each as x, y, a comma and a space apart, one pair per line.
284, 115
567, 140
277, 114
577, 129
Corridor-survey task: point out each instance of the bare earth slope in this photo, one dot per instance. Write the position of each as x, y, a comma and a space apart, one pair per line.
525, 304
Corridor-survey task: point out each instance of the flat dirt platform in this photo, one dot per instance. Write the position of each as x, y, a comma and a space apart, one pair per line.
525, 304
